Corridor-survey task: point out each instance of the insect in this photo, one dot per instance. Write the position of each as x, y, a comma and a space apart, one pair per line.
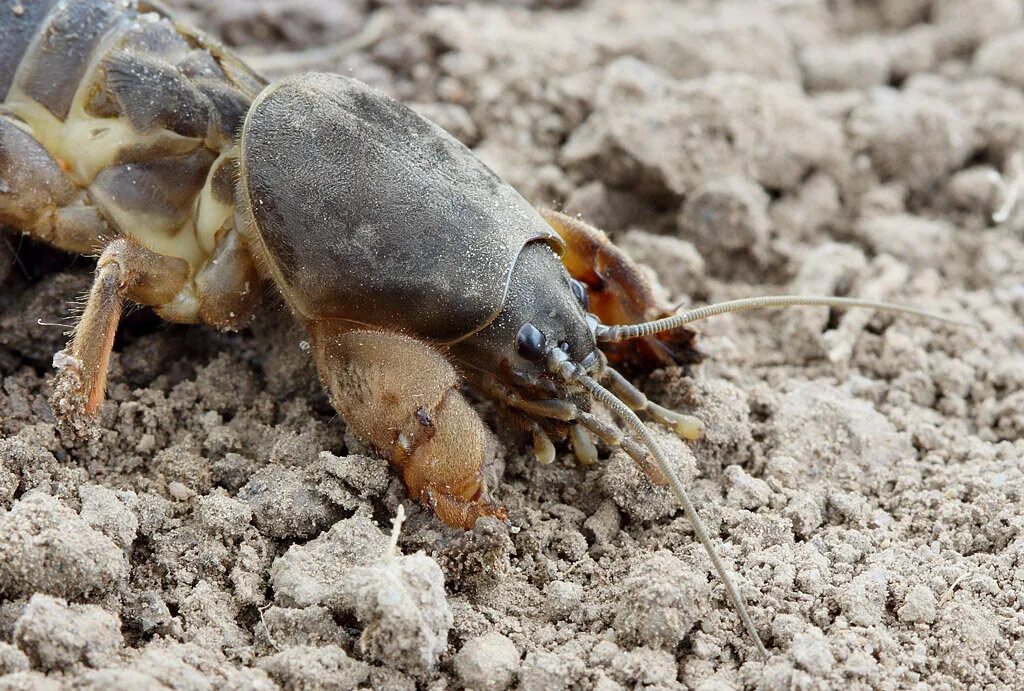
411, 266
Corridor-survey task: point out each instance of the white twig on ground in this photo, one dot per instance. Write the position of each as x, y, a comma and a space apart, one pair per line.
396, 529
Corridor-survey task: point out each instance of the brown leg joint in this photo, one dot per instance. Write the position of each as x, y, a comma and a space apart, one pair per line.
124, 270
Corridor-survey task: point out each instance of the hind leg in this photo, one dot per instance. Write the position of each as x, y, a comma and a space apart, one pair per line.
124, 270
619, 294
38, 198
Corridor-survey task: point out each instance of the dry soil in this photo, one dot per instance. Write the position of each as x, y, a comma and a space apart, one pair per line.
861, 473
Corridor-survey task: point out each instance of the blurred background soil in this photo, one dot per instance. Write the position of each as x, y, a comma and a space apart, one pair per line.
862, 474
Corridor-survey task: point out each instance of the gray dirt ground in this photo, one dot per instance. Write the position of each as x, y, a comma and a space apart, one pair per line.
863, 474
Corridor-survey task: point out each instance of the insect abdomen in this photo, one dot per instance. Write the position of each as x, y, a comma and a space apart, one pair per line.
56, 60
138, 111
16, 32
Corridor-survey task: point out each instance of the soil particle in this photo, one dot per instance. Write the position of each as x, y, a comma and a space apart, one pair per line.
222, 514
863, 599
826, 430
187, 665
562, 599
12, 659
308, 667
478, 559
918, 606
966, 23
677, 265
698, 131
912, 138
29, 681
285, 503
57, 636
857, 64
282, 627
401, 605
729, 38
976, 189
489, 662
810, 651
108, 512
633, 493
49, 548
660, 601
544, 670
1002, 57
316, 573
727, 220
920, 242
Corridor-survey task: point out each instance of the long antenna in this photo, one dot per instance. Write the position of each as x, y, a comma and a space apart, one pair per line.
630, 331
570, 371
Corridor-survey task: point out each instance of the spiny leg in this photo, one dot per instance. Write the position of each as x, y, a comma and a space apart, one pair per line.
527, 411
549, 408
40, 200
579, 434
552, 409
619, 293
124, 270
403, 397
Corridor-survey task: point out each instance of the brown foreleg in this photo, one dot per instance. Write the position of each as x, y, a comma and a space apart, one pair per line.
619, 294
124, 270
402, 396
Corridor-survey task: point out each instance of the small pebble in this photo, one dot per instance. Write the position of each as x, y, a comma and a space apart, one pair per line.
489, 662
919, 606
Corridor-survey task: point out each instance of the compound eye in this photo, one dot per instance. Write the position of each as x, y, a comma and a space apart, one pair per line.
530, 342
580, 291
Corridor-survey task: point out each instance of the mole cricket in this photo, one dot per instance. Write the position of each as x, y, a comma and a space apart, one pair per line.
411, 266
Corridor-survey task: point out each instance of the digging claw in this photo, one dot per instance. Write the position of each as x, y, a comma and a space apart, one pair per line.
462, 514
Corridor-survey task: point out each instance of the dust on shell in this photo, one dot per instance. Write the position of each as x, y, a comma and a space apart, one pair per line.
863, 473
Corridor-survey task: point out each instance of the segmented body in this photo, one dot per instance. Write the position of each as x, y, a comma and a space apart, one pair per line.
115, 120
